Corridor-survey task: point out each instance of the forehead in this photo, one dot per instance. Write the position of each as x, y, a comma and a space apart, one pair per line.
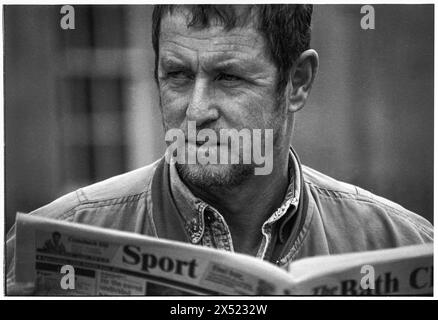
175, 35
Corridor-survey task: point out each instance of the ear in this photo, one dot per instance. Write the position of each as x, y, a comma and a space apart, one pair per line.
301, 79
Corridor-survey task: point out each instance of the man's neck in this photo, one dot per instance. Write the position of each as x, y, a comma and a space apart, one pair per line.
247, 206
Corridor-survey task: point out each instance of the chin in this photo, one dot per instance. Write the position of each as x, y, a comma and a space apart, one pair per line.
215, 175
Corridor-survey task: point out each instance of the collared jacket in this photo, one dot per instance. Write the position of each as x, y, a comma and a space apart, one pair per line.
319, 215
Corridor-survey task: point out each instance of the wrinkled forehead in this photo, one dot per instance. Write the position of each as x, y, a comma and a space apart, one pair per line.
229, 16
175, 27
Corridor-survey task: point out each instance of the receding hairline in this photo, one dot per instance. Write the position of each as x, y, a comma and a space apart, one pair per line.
246, 16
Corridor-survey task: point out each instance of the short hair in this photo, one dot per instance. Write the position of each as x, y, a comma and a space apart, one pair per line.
56, 233
286, 29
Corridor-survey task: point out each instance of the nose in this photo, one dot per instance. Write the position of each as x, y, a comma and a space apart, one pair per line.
202, 106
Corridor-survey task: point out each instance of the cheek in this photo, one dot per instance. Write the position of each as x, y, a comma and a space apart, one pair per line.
271, 110
252, 111
173, 107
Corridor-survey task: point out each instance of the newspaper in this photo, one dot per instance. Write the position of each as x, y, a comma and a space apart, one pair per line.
64, 258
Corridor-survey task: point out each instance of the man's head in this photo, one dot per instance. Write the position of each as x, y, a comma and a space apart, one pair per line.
241, 67
56, 236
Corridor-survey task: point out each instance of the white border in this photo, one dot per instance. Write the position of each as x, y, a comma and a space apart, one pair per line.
237, 298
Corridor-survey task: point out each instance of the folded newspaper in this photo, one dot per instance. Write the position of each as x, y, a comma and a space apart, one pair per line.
64, 258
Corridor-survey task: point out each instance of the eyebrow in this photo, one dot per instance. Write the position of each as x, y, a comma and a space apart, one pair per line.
215, 64
171, 63
236, 65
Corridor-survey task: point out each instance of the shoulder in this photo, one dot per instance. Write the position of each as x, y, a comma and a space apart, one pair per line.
128, 186
351, 209
113, 203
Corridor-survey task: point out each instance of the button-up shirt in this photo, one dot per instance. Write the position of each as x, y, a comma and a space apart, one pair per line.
206, 226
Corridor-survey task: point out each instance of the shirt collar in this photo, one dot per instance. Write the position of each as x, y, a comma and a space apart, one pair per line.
191, 208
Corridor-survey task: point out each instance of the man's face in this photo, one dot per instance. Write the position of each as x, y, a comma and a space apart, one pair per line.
222, 80
56, 238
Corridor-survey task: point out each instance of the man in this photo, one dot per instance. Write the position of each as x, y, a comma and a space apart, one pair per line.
238, 67
54, 245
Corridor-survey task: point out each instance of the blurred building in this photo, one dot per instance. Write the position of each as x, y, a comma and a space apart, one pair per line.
81, 105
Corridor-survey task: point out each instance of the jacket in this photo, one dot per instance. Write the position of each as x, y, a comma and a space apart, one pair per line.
320, 215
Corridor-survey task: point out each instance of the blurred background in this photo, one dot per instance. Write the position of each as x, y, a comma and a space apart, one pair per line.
81, 105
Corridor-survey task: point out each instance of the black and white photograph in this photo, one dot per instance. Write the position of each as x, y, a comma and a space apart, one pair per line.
252, 150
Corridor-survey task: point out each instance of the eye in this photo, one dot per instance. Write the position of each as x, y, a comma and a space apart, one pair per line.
227, 77
179, 75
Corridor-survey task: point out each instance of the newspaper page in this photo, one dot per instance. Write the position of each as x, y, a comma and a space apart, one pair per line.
400, 271
110, 262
